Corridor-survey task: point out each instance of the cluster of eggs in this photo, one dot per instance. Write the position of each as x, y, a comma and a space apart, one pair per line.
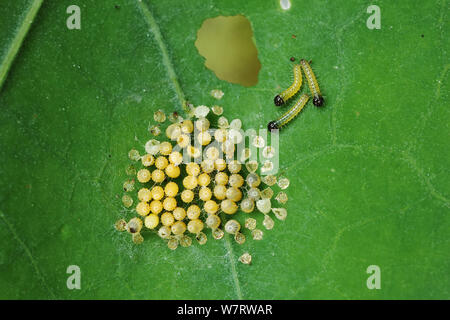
183, 190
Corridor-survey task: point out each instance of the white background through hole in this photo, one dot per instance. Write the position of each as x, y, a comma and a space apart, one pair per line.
285, 4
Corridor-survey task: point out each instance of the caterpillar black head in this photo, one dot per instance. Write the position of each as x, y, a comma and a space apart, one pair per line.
278, 101
318, 101
272, 126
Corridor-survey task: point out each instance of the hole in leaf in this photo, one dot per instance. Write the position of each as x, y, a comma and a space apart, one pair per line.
228, 46
285, 4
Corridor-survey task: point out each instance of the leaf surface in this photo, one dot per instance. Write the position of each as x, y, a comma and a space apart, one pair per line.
369, 171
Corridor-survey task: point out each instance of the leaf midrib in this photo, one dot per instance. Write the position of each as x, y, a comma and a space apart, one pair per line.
155, 30
18, 39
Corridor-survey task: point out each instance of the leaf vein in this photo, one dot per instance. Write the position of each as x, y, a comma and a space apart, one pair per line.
237, 286
27, 251
154, 28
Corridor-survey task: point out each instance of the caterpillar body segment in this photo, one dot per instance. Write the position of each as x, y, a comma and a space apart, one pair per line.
312, 83
289, 115
293, 89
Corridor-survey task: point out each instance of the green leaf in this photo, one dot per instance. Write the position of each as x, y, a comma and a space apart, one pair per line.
369, 171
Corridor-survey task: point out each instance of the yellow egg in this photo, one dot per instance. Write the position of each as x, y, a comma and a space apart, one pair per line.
172, 171
165, 148
161, 162
195, 226
176, 158
187, 196
190, 182
234, 166
169, 203
171, 189
211, 207
143, 208
178, 228
187, 126
204, 138
234, 194
207, 165
158, 176
232, 226
204, 179
193, 152
173, 131
213, 221
179, 213
137, 238
193, 212
167, 219
164, 232
220, 164
192, 169
253, 180
204, 193
236, 180
145, 195
221, 178
202, 124
228, 206
157, 193
134, 225
220, 135
147, 160
127, 201
151, 221
183, 141
247, 205
220, 192
144, 176
212, 153
156, 206
121, 225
